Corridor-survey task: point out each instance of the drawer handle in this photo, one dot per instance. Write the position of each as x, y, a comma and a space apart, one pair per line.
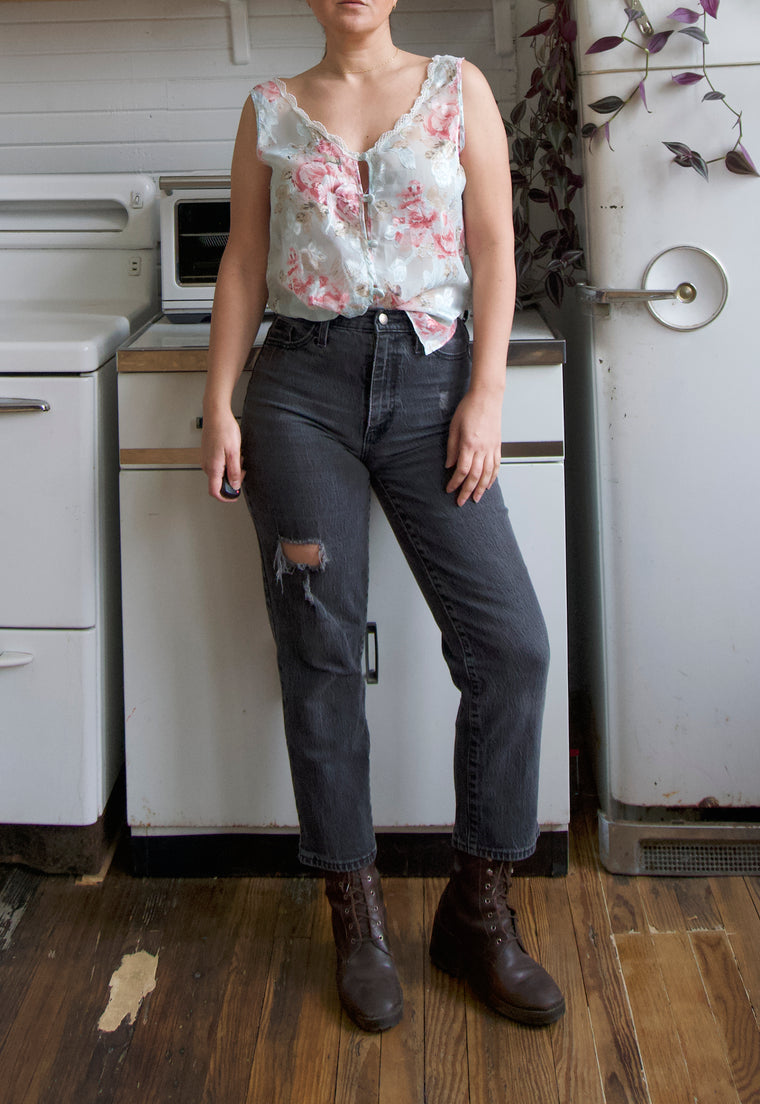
199, 421
23, 406
15, 659
370, 646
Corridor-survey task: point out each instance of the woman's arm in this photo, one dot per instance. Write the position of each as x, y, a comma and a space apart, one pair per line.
474, 448
239, 301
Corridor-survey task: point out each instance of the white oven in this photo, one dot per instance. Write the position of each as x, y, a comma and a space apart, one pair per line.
77, 276
195, 225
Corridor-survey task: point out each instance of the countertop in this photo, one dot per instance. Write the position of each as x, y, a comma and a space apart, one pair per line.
166, 346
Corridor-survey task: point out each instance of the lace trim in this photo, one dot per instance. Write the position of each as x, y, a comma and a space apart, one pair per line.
432, 72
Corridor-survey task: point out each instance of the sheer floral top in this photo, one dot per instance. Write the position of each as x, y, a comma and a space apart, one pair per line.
336, 249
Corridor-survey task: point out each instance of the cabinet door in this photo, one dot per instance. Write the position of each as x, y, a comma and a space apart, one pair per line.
412, 708
204, 736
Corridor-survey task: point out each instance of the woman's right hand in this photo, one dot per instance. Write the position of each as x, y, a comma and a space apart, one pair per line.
220, 450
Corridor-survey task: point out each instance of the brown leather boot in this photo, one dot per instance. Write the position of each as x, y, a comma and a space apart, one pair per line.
368, 984
475, 936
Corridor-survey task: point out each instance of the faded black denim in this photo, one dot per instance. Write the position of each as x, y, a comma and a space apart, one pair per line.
332, 409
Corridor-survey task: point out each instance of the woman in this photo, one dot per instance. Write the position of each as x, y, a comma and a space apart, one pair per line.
354, 189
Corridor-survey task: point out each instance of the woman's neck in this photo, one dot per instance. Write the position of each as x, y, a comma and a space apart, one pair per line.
345, 57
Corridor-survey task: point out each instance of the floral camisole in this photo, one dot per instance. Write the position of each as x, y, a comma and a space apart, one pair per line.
338, 250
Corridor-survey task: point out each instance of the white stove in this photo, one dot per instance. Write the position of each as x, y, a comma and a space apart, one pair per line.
77, 277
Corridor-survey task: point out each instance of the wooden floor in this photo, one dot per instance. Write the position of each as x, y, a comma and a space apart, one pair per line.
225, 995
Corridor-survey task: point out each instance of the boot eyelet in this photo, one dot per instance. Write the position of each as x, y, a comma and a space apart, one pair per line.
487, 885
493, 927
498, 940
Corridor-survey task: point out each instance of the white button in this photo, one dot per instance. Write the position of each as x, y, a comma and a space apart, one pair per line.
367, 197
382, 318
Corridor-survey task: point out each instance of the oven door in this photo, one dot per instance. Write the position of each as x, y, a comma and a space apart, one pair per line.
195, 225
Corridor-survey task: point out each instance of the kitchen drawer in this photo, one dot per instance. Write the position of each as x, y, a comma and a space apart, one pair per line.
159, 411
50, 724
158, 417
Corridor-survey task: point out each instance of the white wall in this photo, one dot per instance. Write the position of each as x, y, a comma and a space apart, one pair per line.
103, 85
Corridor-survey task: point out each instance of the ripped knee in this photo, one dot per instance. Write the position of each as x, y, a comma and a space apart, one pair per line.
304, 556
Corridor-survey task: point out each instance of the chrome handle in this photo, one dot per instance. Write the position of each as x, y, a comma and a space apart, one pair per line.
684, 293
642, 22
23, 406
15, 659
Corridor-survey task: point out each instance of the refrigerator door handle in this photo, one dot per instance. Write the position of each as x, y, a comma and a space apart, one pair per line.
684, 293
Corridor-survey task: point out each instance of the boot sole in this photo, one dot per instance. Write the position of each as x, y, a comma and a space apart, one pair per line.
450, 962
374, 1025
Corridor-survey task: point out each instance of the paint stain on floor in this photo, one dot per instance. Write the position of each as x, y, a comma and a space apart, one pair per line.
129, 985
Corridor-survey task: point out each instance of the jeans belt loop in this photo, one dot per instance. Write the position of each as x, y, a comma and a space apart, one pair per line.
324, 329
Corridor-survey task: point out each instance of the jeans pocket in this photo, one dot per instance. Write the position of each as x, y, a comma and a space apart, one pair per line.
457, 346
290, 333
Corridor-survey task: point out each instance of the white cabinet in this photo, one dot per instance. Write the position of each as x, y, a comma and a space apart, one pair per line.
205, 744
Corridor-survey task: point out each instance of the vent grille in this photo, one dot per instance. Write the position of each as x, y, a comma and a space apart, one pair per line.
700, 857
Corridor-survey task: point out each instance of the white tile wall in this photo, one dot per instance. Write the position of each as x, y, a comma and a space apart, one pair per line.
103, 85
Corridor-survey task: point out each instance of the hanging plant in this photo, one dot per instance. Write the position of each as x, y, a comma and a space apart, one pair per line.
542, 128
737, 160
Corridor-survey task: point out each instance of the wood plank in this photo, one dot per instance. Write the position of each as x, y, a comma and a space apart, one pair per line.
30, 1045
87, 1060
700, 1039
661, 905
698, 905
732, 1010
358, 1080
611, 1021
624, 905
402, 1063
232, 1047
741, 921
300, 1027
168, 1053
508, 1060
664, 1065
446, 1062
575, 1059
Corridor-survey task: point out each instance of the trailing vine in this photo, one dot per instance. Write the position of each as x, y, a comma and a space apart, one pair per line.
542, 128
737, 160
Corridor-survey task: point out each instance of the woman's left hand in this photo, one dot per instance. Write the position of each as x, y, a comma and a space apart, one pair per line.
474, 445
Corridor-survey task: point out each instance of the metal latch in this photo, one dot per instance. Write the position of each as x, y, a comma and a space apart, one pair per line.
684, 293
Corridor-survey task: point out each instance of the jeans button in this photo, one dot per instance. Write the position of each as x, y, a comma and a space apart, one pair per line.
382, 318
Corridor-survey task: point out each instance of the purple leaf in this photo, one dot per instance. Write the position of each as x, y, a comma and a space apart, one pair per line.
695, 32
740, 163
607, 135
634, 13
714, 96
658, 41
540, 28
643, 94
678, 148
699, 164
602, 44
687, 78
607, 105
745, 154
684, 15
710, 7
569, 30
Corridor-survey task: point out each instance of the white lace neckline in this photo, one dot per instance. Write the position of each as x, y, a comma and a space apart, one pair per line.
400, 123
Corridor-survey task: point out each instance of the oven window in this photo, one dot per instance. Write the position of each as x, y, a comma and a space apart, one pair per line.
203, 227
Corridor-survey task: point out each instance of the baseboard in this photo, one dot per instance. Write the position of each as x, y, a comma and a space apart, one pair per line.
400, 854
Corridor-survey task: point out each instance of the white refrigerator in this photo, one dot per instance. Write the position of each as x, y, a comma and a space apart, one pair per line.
673, 391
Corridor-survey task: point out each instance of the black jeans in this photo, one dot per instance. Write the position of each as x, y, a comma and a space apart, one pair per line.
334, 408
